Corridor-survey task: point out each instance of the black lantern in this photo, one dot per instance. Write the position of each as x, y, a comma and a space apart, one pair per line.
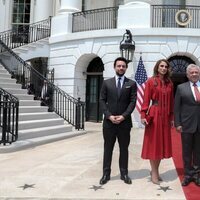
127, 46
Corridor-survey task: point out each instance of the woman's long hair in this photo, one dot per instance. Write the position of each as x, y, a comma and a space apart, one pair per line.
155, 70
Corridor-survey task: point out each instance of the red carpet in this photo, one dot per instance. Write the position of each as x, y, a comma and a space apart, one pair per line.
192, 192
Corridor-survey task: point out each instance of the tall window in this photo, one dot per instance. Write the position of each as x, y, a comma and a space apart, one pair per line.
21, 14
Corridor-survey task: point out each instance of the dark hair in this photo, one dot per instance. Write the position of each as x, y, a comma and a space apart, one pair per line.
121, 59
155, 70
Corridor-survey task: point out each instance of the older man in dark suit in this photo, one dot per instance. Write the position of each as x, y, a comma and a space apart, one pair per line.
187, 122
118, 99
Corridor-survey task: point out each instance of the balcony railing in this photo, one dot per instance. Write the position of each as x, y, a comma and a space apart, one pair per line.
27, 34
104, 18
165, 16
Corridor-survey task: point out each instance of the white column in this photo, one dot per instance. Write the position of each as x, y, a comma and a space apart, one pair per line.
129, 14
42, 9
70, 6
62, 23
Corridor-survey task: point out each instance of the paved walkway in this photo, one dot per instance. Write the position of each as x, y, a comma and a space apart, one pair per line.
71, 169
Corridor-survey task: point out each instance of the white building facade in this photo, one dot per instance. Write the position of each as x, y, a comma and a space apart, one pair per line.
83, 58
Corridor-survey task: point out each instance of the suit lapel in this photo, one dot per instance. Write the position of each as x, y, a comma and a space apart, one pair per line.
189, 91
113, 84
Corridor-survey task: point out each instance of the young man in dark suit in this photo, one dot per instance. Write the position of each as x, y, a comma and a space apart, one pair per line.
118, 100
187, 122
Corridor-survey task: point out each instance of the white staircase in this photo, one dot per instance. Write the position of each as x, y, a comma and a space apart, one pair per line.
36, 124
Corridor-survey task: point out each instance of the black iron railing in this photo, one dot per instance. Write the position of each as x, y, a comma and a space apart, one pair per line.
97, 19
26, 34
69, 108
9, 113
165, 16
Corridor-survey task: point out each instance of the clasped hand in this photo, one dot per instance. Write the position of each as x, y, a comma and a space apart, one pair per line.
144, 122
116, 119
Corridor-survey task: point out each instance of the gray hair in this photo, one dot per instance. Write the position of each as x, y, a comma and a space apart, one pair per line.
192, 66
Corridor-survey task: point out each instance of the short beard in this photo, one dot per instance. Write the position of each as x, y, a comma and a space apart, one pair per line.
120, 75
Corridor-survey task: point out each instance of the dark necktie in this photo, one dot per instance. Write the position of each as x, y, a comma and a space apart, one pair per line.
197, 93
119, 86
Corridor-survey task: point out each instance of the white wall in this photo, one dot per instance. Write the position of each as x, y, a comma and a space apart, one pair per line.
71, 55
42, 9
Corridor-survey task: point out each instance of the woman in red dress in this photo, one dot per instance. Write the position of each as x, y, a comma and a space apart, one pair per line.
157, 116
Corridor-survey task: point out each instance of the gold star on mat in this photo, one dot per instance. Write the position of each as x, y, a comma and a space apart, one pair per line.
164, 188
95, 188
25, 186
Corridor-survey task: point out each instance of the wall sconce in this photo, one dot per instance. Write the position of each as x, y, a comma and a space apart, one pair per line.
127, 46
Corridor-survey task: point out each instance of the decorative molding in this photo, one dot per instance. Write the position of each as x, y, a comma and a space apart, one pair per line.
183, 17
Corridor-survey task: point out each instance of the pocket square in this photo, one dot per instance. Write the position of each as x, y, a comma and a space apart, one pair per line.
128, 86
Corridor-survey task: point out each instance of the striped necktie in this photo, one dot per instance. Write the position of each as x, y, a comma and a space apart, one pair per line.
197, 93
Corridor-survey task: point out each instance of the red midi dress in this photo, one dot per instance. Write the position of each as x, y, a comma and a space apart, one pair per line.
157, 106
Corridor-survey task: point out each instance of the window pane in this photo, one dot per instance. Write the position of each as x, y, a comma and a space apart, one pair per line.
15, 8
21, 8
14, 27
21, 1
19, 18
27, 8
14, 20
26, 18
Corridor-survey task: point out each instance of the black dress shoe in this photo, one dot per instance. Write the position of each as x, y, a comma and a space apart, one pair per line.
197, 180
104, 179
186, 181
126, 179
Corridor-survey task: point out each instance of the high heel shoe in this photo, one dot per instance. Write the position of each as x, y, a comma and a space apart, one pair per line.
159, 178
156, 182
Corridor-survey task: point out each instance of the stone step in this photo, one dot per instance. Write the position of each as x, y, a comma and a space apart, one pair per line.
40, 123
5, 75
38, 116
7, 80
24, 96
10, 85
3, 71
29, 102
16, 91
31, 109
22, 144
44, 131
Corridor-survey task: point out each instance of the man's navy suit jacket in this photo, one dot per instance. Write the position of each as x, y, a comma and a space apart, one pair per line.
124, 105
